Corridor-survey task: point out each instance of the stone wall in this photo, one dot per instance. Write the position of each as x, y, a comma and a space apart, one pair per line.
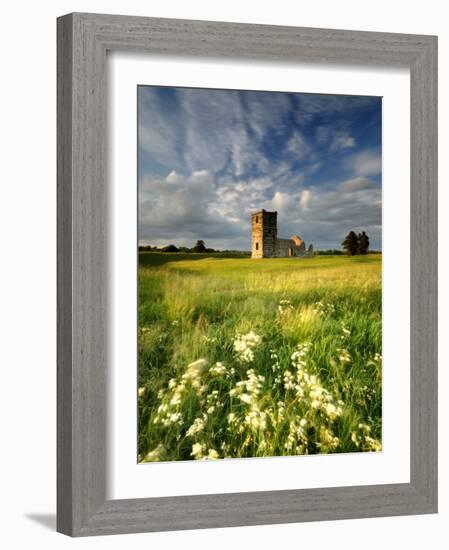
288, 247
264, 234
256, 235
264, 241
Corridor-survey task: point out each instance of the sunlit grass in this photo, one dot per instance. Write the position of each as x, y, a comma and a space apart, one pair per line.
244, 358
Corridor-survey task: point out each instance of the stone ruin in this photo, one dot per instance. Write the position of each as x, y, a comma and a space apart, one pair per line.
265, 242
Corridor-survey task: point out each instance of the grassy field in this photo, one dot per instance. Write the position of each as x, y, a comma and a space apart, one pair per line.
250, 358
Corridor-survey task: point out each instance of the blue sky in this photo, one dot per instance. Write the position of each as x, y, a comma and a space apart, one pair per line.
208, 158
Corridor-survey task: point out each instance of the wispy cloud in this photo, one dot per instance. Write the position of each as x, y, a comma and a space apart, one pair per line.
334, 139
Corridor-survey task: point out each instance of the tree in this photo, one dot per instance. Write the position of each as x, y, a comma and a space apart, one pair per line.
199, 247
351, 244
363, 243
170, 248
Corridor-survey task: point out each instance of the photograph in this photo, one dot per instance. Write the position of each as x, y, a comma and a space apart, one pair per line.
259, 246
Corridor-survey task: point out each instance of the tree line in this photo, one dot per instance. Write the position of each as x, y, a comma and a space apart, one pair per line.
199, 248
355, 244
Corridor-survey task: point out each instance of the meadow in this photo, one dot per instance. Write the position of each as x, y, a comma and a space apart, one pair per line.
254, 358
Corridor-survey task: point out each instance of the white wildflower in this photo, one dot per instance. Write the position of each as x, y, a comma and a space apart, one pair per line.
155, 455
373, 444
343, 355
212, 455
218, 368
284, 307
175, 418
196, 427
194, 370
289, 380
244, 345
198, 450
245, 398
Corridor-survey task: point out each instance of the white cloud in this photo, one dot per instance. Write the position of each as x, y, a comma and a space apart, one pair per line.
357, 184
342, 140
284, 203
334, 139
298, 146
175, 201
305, 197
366, 163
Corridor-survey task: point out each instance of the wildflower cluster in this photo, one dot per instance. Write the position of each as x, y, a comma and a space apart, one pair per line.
248, 390
305, 398
155, 455
212, 401
297, 441
307, 391
343, 356
194, 371
169, 412
328, 440
284, 307
197, 427
200, 452
310, 385
218, 369
276, 367
363, 440
323, 309
244, 345
289, 380
298, 356
227, 410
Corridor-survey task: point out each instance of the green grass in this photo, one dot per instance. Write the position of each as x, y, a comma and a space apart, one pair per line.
244, 358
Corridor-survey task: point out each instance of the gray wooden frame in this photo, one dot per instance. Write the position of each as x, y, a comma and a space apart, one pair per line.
83, 40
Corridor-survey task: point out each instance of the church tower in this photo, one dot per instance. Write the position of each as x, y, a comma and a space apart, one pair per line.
264, 234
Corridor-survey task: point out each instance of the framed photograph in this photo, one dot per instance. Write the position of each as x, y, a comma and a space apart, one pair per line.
247, 280
251, 344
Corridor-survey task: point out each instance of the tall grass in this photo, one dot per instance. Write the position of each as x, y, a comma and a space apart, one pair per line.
249, 358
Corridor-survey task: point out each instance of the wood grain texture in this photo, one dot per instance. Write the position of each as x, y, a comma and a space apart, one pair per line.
83, 40
64, 277
423, 272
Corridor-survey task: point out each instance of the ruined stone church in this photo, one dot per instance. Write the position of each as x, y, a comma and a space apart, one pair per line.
265, 242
